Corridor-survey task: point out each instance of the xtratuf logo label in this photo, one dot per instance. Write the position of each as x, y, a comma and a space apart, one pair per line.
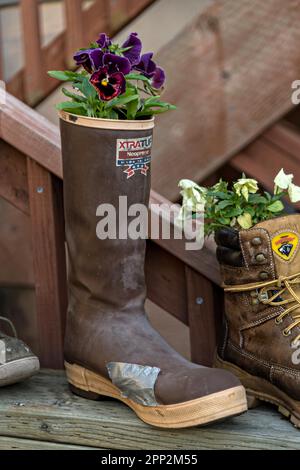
135, 154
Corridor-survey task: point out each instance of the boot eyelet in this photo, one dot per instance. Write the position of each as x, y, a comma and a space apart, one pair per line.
286, 333
277, 322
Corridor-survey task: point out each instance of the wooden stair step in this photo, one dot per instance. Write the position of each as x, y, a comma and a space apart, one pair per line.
42, 413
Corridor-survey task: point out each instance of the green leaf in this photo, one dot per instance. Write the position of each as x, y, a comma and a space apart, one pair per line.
132, 108
160, 104
63, 76
155, 102
94, 45
112, 114
74, 96
250, 210
220, 194
69, 105
83, 85
234, 212
223, 204
245, 220
125, 49
276, 206
152, 112
121, 100
268, 195
151, 100
257, 199
224, 220
73, 108
138, 76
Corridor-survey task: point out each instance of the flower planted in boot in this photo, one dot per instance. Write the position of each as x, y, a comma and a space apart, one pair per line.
108, 86
117, 82
110, 347
262, 298
17, 362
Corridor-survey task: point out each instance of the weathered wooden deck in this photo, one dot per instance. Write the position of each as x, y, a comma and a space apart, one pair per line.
42, 414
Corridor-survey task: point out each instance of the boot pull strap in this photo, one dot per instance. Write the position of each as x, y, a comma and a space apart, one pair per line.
12, 326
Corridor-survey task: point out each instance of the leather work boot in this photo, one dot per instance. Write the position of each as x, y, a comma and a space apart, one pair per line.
17, 362
261, 342
110, 348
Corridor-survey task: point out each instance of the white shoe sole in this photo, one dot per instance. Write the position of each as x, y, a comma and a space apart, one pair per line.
19, 370
204, 410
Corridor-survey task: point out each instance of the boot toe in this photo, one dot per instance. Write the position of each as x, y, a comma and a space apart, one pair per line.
183, 386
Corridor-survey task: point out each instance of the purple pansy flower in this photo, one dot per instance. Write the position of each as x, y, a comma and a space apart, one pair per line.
104, 41
116, 63
93, 59
96, 58
108, 85
158, 78
149, 68
134, 53
146, 65
83, 58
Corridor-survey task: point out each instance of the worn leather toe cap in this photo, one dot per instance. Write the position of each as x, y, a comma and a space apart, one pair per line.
189, 384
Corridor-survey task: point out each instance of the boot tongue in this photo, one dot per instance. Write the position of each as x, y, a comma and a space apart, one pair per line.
284, 234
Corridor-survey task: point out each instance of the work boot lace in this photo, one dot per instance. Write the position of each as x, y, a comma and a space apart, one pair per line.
279, 292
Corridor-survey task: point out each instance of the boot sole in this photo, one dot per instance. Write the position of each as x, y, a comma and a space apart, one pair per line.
201, 411
19, 370
259, 390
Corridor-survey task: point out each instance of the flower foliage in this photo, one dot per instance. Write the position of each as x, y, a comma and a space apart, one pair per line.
117, 82
240, 206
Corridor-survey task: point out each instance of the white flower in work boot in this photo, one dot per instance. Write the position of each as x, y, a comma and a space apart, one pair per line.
283, 182
194, 198
245, 186
294, 192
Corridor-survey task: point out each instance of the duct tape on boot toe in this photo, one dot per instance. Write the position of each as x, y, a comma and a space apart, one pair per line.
135, 382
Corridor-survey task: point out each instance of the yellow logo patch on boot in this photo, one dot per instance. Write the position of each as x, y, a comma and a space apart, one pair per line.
285, 245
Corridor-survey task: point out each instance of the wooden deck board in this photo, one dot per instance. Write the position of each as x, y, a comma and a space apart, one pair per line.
44, 411
11, 443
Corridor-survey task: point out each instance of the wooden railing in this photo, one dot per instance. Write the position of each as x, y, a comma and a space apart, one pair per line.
82, 26
184, 283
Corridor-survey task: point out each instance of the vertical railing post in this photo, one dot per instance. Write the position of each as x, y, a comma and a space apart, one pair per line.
47, 227
1, 54
75, 36
102, 9
204, 316
34, 68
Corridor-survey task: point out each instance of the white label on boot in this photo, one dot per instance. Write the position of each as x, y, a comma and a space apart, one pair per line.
135, 154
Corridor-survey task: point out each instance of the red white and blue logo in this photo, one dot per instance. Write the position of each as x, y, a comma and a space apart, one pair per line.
135, 154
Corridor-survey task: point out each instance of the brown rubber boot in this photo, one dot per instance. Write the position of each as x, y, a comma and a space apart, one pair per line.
111, 349
261, 344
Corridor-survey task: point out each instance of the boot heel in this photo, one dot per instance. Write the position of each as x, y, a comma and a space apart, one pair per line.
84, 393
89, 385
252, 401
